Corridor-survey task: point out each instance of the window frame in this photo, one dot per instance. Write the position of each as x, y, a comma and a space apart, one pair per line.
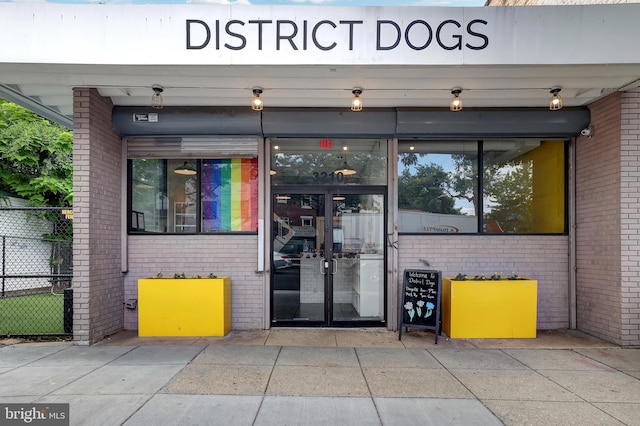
199, 200
480, 182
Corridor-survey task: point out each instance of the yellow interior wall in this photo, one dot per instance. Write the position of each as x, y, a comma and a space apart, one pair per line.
548, 186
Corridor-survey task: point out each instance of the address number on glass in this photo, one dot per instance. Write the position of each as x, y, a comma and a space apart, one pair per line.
332, 177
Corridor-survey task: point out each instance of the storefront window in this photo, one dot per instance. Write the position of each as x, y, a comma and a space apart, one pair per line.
192, 196
328, 162
521, 188
438, 187
230, 194
524, 186
149, 195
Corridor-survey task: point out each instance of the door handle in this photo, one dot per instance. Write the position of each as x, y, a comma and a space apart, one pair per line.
335, 266
324, 264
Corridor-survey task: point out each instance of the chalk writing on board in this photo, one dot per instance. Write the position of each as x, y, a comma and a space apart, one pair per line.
420, 296
421, 300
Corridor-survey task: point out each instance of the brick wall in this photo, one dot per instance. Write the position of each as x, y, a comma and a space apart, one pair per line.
97, 167
630, 219
544, 258
598, 223
232, 255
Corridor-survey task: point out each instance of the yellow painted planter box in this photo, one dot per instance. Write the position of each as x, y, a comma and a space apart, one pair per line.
184, 307
489, 309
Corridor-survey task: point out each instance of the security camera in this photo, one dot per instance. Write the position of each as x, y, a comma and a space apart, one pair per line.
131, 303
588, 132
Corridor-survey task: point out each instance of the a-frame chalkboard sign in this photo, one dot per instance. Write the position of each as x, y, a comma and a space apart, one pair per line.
421, 295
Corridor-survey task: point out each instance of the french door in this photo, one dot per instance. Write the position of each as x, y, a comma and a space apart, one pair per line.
328, 260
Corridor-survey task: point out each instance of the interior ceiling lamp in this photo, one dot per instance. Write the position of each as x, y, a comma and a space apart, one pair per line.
256, 102
338, 197
156, 100
555, 102
283, 197
345, 170
142, 184
356, 102
186, 169
456, 101
272, 172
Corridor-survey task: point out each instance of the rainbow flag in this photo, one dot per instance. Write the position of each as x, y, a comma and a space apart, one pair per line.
230, 194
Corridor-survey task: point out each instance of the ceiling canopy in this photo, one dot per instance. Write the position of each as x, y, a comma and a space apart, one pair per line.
498, 57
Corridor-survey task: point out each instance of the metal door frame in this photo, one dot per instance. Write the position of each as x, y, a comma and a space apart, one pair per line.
328, 191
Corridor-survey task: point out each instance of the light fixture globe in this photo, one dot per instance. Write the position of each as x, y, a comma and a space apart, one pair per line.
456, 101
555, 102
256, 103
156, 99
356, 102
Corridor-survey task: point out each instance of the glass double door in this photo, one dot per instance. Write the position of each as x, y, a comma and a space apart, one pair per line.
328, 261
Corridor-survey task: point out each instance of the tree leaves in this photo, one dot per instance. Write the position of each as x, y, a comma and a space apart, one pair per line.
426, 189
35, 157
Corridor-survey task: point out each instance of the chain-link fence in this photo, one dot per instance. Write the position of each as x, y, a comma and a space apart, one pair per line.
36, 298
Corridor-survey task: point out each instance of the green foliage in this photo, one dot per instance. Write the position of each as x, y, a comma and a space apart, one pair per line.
507, 190
183, 276
510, 190
497, 276
35, 157
464, 181
425, 189
301, 167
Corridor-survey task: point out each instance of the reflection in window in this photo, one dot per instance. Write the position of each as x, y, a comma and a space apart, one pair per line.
189, 196
438, 187
182, 190
328, 162
149, 194
523, 186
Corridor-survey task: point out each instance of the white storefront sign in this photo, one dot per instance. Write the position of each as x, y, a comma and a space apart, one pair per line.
279, 35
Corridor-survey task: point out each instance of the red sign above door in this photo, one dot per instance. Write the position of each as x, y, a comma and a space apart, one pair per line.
326, 143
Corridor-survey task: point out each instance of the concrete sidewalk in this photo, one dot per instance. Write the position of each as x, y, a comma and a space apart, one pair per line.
326, 377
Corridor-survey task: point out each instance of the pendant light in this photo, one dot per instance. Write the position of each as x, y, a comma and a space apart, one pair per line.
456, 101
256, 103
186, 170
156, 100
345, 170
555, 102
356, 102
